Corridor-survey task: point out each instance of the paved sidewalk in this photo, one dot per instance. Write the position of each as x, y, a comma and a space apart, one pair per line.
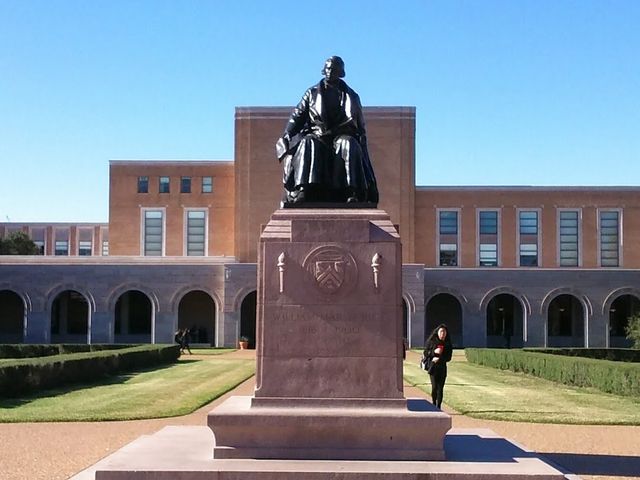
51, 451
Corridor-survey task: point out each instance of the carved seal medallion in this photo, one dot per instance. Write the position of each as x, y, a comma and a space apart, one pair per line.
331, 268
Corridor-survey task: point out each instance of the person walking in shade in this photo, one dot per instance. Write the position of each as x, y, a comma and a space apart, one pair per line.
437, 353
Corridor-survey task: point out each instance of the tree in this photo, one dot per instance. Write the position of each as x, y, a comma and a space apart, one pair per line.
18, 243
633, 330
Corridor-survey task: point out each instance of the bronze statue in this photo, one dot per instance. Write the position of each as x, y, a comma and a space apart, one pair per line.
324, 145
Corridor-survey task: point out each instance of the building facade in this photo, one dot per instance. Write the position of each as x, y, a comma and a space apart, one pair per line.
503, 266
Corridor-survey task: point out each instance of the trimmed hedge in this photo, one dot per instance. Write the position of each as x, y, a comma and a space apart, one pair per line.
619, 378
20, 350
27, 375
613, 354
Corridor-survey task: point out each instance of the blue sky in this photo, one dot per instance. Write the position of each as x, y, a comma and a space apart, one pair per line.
509, 92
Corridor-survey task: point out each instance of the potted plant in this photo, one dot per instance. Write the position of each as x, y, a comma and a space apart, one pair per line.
244, 343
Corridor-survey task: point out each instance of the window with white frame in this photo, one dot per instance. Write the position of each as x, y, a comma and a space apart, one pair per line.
196, 232
609, 223
163, 185
528, 238
488, 238
207, 184
153, 232
569, 238
448, 238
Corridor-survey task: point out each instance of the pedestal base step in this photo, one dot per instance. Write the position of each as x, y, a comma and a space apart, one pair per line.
375, 431
184, 453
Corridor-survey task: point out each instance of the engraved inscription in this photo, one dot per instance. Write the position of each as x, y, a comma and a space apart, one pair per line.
329, 331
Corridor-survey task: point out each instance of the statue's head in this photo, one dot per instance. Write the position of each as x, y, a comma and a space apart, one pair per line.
333, 68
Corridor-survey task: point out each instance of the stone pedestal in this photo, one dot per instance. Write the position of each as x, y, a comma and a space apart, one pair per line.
329, 358
328, 402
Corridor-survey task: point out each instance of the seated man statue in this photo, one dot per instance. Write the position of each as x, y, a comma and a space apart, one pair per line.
324, 145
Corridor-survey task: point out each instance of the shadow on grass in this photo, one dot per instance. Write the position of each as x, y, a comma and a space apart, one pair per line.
528, 412
594, 464
14, 402
453, 384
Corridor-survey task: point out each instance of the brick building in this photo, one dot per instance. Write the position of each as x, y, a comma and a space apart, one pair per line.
503, 266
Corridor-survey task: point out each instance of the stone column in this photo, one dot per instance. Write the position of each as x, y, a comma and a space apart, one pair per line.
536, 329
38, 327
102, 327
597, 334
165, 322
229, 324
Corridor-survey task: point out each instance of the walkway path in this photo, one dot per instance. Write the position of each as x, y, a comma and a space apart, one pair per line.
51, 451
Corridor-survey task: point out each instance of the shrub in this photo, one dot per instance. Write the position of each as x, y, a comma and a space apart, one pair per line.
633, 330
25, 375
613, 354
22, 350
620, 378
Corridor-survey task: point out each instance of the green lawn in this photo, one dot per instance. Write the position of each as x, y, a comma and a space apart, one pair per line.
483, 392
208, 351
168, 391
178, 389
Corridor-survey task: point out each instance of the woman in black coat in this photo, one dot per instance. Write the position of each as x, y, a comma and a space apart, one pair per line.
437, 353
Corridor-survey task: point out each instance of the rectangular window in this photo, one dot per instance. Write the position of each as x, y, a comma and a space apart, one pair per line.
61, 241
84, 248
448, 255
196, 232
528, 255
528, 238
143, 184
153, 232
62, 247
489, 223
207, 184
38, 235
488, 255
185, 184
40, 245
448, 238
85, 241
448, 223
164, 185
609, 239
104, 236
488, 238
528, 223
569, 238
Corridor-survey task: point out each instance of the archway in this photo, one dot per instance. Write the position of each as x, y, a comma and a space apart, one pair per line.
505, 322
12, 317
444, 308
133, 318
248, 318
622, 308
565, 322
70, 318
197, 312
